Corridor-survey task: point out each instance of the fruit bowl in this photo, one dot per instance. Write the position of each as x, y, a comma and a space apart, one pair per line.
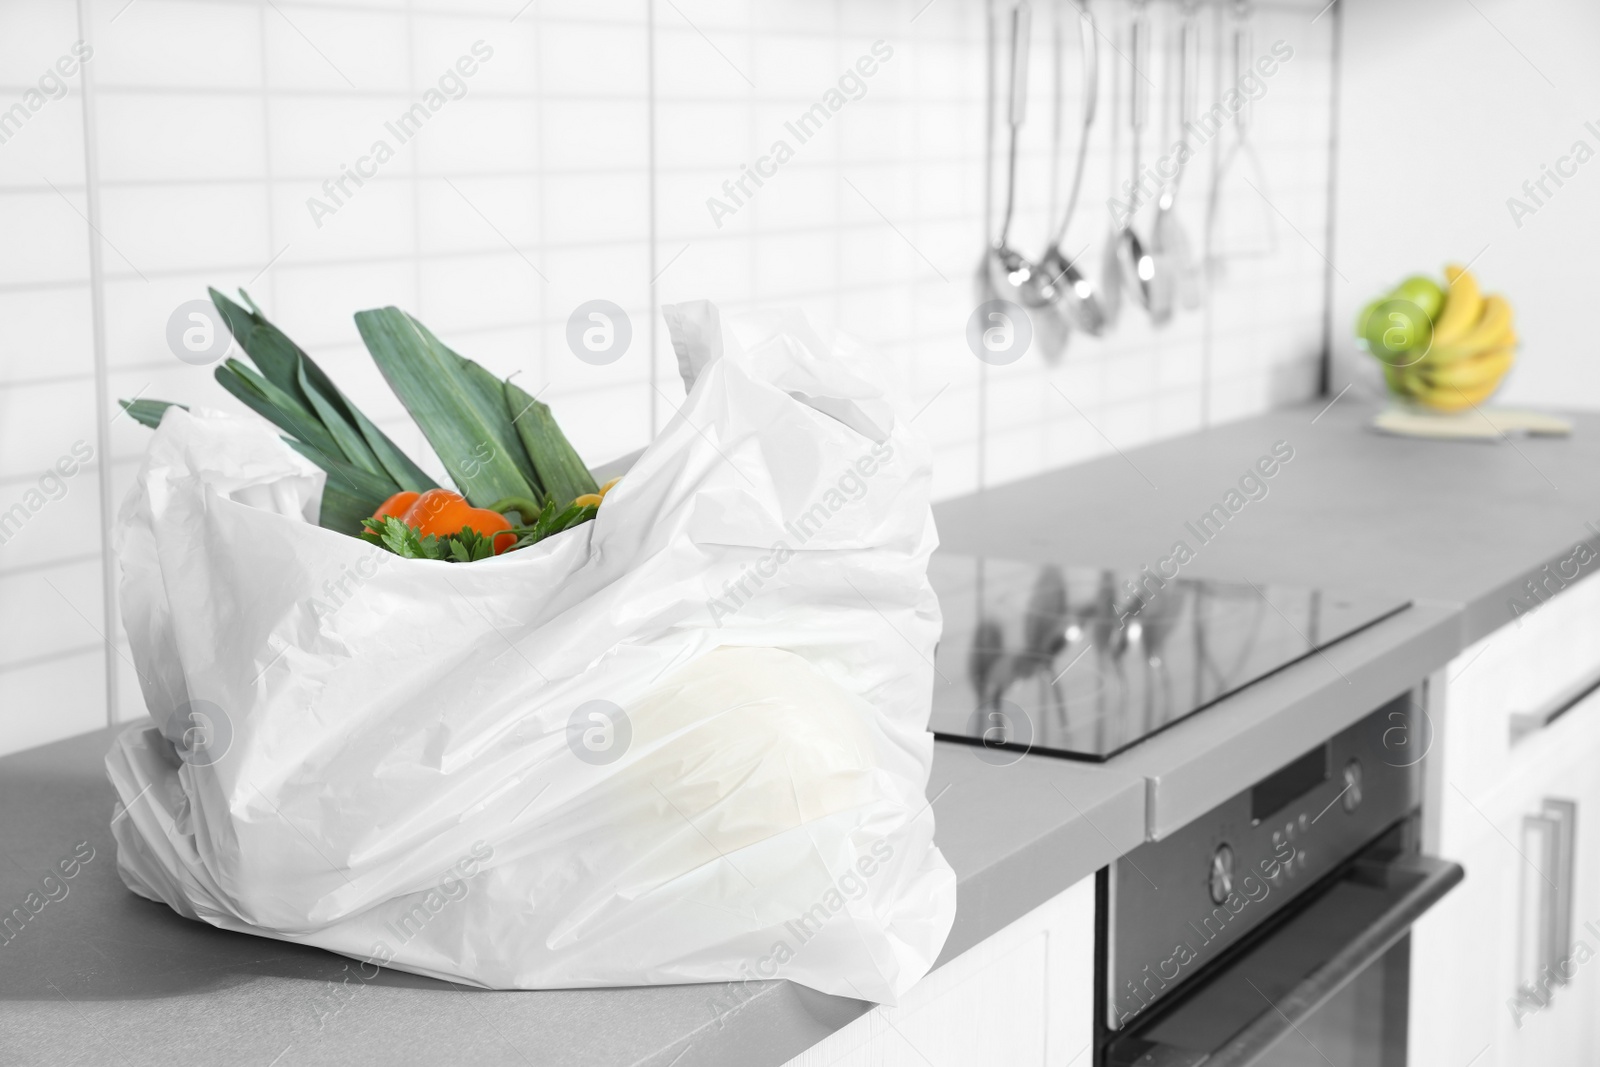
1441, 348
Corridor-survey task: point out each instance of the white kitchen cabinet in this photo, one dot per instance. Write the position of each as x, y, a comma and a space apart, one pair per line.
1497, 792
1023, 998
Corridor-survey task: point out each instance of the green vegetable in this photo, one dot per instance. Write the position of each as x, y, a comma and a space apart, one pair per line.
472, 436
291, 391
498, 443
280, 408
553, 521
521, 505
468, 546
349, 494
344, 433
287, 366
148, 412
562, 474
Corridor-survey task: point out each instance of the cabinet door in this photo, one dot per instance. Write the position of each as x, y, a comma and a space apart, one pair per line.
1500, 976
1023, 998
1550, 1017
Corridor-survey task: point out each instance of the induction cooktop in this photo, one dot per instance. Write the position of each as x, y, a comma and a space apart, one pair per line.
1083, 663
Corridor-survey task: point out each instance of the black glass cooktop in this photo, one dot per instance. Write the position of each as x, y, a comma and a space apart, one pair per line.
1083, 663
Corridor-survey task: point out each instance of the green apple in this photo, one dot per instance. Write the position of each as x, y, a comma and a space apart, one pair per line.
1423, 292
1397, 331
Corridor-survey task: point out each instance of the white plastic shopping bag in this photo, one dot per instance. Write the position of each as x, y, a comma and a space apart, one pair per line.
685, 742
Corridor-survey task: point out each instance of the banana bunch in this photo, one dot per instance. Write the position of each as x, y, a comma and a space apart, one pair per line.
1443, 349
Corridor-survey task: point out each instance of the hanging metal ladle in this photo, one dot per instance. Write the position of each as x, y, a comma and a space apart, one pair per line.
1140, 270
1056, 279
1008, 269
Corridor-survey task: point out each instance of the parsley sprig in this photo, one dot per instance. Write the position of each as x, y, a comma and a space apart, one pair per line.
552, 521
404, 541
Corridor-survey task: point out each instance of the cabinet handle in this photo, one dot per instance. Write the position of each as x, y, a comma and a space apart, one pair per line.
1547, 909
1524, 723
1538, 846
1563, 814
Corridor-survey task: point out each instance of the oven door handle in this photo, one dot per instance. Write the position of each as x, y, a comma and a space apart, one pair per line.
1435, 879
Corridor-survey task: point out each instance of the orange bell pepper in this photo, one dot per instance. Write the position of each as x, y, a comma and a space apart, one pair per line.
441, 512
396, 505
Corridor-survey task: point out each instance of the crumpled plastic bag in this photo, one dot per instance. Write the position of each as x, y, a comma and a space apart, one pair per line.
686, 742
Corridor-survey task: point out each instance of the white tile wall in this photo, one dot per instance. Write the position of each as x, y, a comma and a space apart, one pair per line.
576, 165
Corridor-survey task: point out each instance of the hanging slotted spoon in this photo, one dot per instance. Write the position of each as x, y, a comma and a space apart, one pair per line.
1056, 278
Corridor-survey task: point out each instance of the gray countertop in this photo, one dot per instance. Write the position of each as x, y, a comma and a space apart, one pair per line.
102, 976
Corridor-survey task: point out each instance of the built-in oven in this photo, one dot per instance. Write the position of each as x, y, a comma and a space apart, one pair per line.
1274, 930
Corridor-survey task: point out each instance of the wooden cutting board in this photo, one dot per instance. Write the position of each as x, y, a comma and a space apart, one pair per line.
1481, 424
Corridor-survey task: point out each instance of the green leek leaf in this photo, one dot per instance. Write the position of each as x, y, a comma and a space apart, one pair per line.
349, 495
287, 366
429, 380
485, 390
275, 356
561, 470
148, 412
351, 443
277, 407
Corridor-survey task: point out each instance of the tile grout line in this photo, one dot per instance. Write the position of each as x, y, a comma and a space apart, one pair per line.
752, 128
266, 151
128, 90
415, 166
439, 170
57, 563
837, 234
102, 386
650, 207
991, 98
1208, 315
544, 298
53, 656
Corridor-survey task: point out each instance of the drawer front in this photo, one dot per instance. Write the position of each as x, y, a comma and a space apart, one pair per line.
1498, 691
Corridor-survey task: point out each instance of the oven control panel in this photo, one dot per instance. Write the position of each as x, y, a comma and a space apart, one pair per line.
1173, 905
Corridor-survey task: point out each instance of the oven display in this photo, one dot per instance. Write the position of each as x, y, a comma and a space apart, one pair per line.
1272, 794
